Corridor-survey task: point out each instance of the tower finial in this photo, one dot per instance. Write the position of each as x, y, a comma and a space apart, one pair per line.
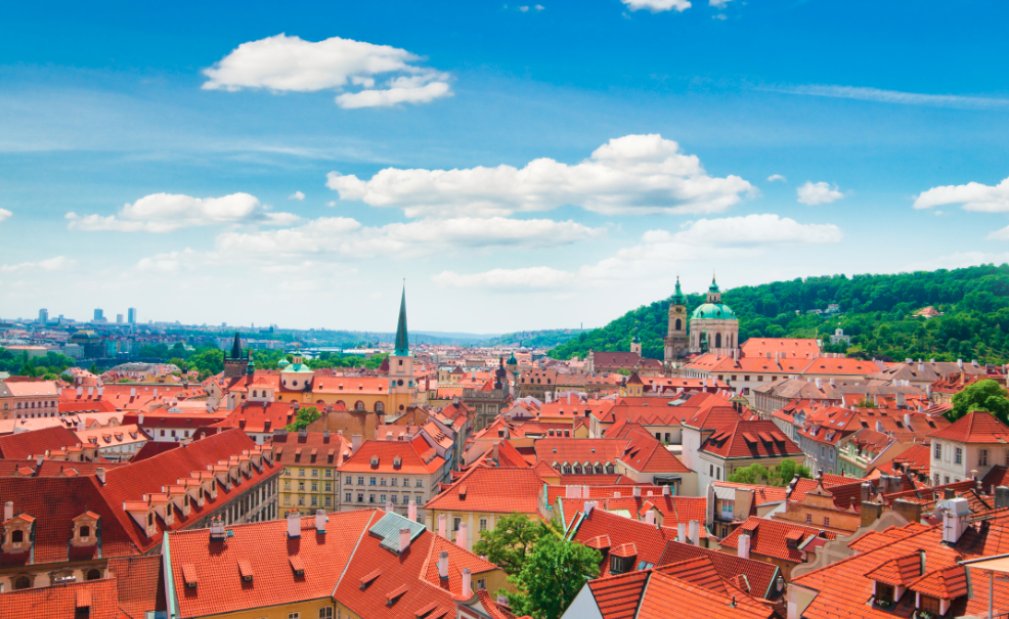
236, 347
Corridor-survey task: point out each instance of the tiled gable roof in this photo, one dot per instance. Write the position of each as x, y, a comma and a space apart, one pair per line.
416, 457
760, 575
501, 490
975, 427
99, 596
750, 439
25, 445
776, 538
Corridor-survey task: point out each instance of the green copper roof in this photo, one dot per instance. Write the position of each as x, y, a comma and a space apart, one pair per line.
714, 285
678, 297
715, 311
402, 341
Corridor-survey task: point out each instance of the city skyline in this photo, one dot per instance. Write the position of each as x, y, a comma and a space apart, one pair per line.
290, 165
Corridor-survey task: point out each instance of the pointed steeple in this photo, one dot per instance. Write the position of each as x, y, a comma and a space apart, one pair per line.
678, 297
714, 284
402, 340
236, 347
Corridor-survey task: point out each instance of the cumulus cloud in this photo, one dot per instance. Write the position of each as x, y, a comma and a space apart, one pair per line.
56, 263
5, 214
776, 178
641, 174
166, 212
297, 195
818, 193
735, 237
971, 196
657, 6
363, 74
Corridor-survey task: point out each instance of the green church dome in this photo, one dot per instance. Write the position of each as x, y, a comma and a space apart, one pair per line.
714, 311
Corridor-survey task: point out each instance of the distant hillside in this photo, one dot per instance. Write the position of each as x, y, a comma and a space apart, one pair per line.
875, 310
535, 339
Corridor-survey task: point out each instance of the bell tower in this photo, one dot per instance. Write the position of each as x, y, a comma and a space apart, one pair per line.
401, 380
676, 334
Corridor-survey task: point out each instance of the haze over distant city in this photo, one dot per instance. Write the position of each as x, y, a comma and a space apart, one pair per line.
525, 166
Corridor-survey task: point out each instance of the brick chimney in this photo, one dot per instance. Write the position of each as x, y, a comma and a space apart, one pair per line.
404, 540
743, 546
293, 525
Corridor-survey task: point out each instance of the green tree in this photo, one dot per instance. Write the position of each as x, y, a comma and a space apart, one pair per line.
304, 418
510, 541
207, 361
984, 395
779, 475
552, 575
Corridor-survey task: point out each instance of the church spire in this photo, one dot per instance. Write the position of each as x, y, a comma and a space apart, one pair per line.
236, 347
678, 298
402, 340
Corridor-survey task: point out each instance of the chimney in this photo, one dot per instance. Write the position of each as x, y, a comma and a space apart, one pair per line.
411, 510
404, 540
948, 493
1001, 496
590, 506
695, 533
80, 391
100, 475
8, 510
355, 442
91, 392
650, 517
443, 525
637, 492
293, 525
665, 491
217, 532
866, 491
955, 517
462, 536
681, 532
133, 392
870, 512
907, 416
388, 505
443, 564
910, 510
320, 520
743, 546
467, 583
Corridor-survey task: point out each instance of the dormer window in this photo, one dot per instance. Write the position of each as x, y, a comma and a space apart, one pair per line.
18, 537
621, 565
84, 532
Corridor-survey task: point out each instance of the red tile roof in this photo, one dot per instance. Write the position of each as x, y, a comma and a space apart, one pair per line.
751, 439
310, 449
416, 458
25, 445
975, 427
647, 540
777, 538
760, 576
99, 596
502, 490
139, 584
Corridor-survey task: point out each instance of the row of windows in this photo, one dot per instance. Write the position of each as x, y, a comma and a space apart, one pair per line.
302, 487
315, 472
383, 481
32, 404
380, 499
982, 455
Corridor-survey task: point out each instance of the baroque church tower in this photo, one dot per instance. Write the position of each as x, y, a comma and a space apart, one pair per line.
676, 340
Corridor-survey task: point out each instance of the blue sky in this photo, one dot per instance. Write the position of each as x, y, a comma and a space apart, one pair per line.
251, 162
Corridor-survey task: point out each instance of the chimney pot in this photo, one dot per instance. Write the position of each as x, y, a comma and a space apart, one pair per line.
404, 540
8, 510
467, 583
320, 520
443, 525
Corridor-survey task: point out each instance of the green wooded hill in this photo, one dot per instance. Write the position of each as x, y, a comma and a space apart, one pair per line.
875, 310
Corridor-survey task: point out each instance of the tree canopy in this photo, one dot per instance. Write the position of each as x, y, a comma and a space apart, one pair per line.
306, 415
551, 576
510, 541
48, 366
877, 311
779, 475
984, 395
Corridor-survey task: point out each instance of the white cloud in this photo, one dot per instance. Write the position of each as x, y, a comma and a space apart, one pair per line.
777, 178
364, 74
641, 174
56, 263
505, 279
658, 6
170, 262
818, 193
971, 196
719, 4
166, 212
297, 195
347, 237
5, 214
898, 97
731, 237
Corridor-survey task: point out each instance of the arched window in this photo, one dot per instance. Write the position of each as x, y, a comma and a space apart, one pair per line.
718, 340
679, 324
93, 574
22, 582
359, 406
379, 407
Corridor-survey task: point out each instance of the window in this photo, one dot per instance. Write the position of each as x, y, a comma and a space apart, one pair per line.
809, 518
347, 497
360, 481
455, 523
93, 574
22, 582
937, 451
293, 615
419, 484
982, 457
958, 455
371, 481
483, 524
826, 521
84, 532
326, 612
17, 537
